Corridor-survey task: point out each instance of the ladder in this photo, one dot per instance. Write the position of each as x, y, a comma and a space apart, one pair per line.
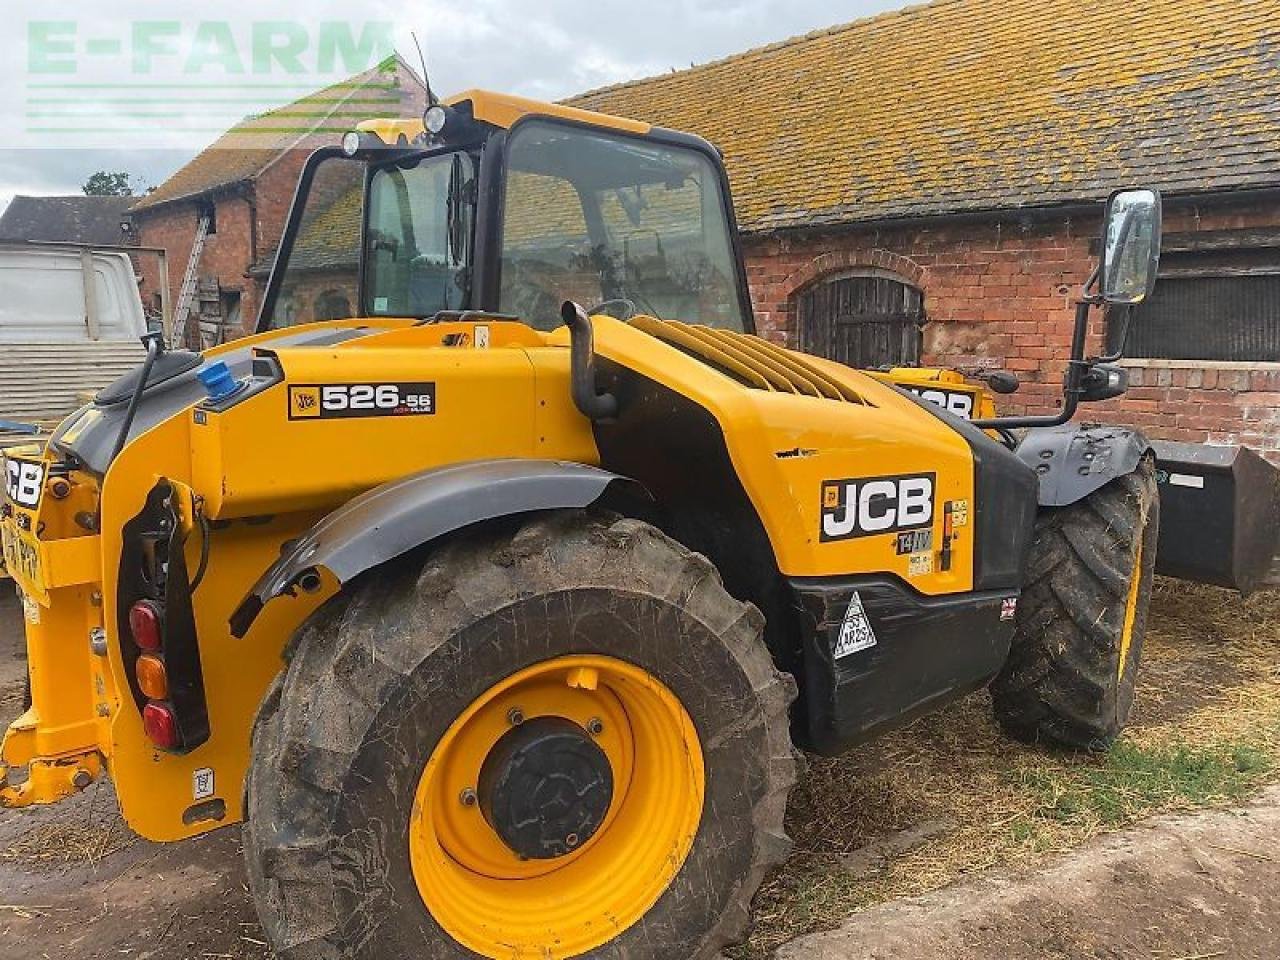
187, 292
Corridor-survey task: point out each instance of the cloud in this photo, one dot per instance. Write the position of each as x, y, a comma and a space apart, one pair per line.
549, 50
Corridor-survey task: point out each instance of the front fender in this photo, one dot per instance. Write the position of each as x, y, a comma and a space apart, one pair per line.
1072, 461
397, 517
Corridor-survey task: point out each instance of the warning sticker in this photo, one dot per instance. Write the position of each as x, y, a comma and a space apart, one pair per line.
855, 631
202, 784
920, 565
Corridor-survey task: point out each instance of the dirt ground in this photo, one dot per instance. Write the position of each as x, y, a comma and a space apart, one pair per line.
1200, 886
943, 841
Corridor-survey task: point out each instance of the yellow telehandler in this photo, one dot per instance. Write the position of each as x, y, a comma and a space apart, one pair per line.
497, 608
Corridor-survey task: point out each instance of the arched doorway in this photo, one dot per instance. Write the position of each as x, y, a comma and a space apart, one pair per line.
865, 318
332, 305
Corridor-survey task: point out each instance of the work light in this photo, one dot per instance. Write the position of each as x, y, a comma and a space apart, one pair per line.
435, 119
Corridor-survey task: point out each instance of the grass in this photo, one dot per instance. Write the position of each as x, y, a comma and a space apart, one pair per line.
1134, 781
1205, 733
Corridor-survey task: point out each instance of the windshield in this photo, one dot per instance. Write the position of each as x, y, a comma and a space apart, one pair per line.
596, 217
417, 242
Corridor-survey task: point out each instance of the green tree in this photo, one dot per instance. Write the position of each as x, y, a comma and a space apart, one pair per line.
105, 184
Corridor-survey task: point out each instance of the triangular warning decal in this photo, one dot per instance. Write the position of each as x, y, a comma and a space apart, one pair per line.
855, 632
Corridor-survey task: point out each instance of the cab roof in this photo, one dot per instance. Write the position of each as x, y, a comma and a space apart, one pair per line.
501, 110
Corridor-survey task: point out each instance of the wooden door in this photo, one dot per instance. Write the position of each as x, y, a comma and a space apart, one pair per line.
863, 321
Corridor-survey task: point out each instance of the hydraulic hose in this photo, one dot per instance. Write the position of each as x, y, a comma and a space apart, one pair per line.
153, 343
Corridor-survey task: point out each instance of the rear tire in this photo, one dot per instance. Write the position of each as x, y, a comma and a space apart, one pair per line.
1082, 617
380, 680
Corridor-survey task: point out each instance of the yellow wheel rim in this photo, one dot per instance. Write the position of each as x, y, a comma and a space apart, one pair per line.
1130, 610
500, 906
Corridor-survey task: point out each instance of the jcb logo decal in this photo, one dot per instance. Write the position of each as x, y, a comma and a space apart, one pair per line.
304, 402
863, 507
346, 400
24, 482
952, 401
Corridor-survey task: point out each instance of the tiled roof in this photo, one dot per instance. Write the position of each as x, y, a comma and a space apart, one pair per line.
976, 105
390, 89
329, 240
74, 219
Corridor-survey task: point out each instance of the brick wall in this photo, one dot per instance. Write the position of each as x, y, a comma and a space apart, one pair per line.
250, 222
1001, 294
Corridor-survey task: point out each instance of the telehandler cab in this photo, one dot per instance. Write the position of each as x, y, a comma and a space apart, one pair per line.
495, 617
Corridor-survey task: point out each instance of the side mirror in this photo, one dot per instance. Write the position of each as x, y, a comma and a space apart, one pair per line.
1130, 246
1003, 381
1103, 381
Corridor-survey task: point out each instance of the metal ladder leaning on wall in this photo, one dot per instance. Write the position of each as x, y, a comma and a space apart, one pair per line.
187, 292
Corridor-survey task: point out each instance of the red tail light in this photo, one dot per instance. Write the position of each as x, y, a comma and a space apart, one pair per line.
160, 725
144, 624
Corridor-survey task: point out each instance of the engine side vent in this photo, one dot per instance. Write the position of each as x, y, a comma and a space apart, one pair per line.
752, 361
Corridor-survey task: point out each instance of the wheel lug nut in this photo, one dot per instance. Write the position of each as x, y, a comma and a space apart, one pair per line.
595, 726
468, 798
571, 840
515, 717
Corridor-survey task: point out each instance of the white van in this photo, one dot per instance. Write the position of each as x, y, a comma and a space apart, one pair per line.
70, 322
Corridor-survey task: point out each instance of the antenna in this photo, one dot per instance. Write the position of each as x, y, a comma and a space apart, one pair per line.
432, 100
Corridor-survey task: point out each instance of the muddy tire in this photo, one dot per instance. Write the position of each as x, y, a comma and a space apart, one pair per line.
386, 675
1082, 617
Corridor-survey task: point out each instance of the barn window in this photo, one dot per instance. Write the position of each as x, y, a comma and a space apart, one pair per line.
1218, 298
866, 319
1209, 318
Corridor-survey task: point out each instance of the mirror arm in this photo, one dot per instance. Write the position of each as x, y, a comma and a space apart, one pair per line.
1077, 365
1121, 340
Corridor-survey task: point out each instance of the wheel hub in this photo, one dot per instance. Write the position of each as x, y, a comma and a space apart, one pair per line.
545, 788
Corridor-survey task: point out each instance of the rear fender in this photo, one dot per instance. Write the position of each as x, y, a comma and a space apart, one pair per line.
1072, 461
397, 517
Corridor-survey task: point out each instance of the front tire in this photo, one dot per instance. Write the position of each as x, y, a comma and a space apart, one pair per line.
623, 645
1082, 617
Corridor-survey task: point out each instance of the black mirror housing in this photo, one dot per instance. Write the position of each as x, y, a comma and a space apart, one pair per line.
1003, 381
1103, 381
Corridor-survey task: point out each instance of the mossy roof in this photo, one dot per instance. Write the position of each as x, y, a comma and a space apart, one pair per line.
390, 89
978, 105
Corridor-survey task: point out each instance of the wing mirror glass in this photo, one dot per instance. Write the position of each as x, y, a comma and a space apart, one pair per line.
1131, 246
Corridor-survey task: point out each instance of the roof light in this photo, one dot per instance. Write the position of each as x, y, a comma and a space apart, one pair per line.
144, 624
435, 119
161, 725
351, 143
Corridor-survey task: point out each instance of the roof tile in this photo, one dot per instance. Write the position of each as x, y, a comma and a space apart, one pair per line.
981, 105
390, 89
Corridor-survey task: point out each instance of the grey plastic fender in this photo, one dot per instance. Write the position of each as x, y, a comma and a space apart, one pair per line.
1072, 460
389, 521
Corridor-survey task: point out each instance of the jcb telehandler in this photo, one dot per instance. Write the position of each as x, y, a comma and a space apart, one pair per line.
496, 617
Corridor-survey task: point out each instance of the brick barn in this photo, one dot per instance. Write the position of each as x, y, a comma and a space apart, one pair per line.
243, 184
926, 186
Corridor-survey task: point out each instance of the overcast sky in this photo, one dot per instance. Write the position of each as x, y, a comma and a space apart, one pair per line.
547, 49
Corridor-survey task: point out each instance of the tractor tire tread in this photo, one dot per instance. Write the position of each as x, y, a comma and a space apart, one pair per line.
1062, 683
357, 649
